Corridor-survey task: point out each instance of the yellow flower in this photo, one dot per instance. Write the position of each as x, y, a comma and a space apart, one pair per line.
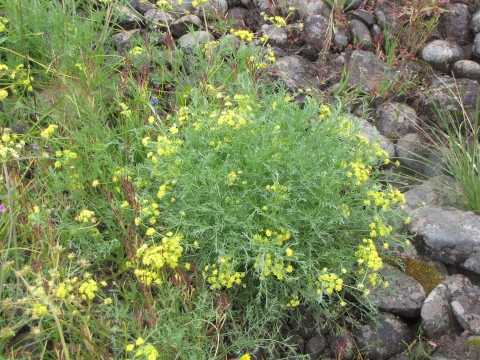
46, 133
174, 130
3, 94
129, 347
95, 183
289, 252
245, 357
139, 341
150, 231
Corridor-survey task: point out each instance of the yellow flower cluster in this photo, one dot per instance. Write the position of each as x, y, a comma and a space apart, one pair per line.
368, 255
266, 265
88, 289
294, 301
64, 289
385, 199
243, 34
231, 118
274, 237
9, 146
148, 213
64, 157
278, 21
360, 171
86, 216
167, 147
147, 352
223, 274
379, 228
329, 282
39, 310
198, 2
157, 257
48, 131
3, 24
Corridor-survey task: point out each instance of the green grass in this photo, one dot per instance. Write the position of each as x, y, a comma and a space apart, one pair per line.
189, 228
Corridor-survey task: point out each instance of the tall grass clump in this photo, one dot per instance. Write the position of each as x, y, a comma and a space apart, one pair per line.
457, 137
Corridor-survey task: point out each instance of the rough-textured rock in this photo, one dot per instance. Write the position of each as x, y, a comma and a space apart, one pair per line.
394, 120
437, 316
475, 22
449, 235
330, 71
361, 35
403, 297
315, 345
238, 14
315, 31
313, 7
370, 132
340, 38
366, 71
123, 39
308, 52
434, 192
276, 36
454, 23
295, 71
440, 54
193, 39
467, 69
364, 16
411, 152
386, 341
180, 27
466, 306
213, 9
388, 16
476, 47
158, 19
127, 18
442, 94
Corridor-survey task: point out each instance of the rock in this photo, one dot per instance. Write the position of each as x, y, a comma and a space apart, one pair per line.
441, 54
390, 338
213, 9
313, 7
467, 69
295, 72
141, 6
403, 297
437, 316
442, 94
276, 36
363, 16
435, 164
466, 307
475, 22
454, 23
315, 31
330, 71
310, 325
421, 351
411, 152
449, 235
342, 346
308, 52
433, 192
182, 26
127, 18
352, 4
476, 47
340, 38
366, 71
315, 345
361, 35
159, 19
394, 120
123, 39
238, 14
388, 17
371, 133
188, 41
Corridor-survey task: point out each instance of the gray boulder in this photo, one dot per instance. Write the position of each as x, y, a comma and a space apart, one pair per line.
449, 235
295, 72
315, 31
440, 54
361, 35
466, 306
384, 341
454, 23
394, 120
411, 152
182, 26
437, 315
403, 297
467, 69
